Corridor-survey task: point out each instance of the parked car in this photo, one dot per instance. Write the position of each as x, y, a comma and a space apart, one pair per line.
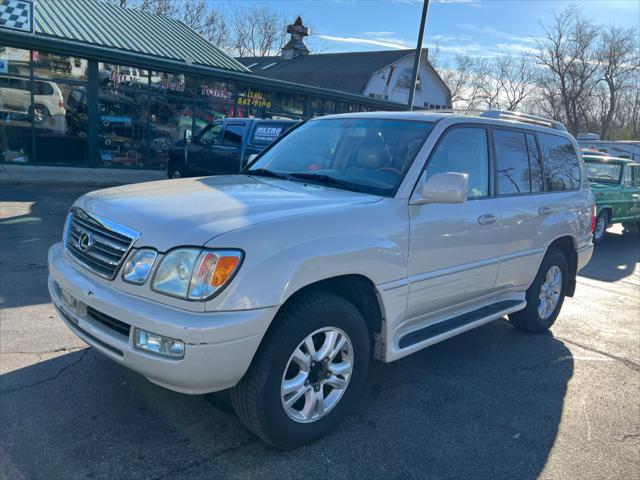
612, 148
615, 183
15, 97
223, 146
354, 234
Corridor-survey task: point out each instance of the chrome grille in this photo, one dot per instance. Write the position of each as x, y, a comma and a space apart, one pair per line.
98, 244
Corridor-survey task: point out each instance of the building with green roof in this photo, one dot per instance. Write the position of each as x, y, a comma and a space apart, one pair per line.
90, 83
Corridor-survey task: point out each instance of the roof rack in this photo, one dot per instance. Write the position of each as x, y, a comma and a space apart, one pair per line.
524, 118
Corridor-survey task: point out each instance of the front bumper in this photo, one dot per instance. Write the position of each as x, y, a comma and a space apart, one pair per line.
219, 346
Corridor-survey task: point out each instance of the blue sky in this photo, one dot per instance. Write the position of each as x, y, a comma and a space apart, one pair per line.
477, 27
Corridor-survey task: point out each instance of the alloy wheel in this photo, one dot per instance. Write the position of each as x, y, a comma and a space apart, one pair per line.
550, 292
317, 375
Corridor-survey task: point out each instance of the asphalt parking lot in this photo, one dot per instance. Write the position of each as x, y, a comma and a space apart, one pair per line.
490, 404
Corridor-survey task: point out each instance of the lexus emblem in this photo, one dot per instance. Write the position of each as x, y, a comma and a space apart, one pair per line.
85, 241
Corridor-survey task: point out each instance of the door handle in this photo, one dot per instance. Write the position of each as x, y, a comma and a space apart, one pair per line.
543, 211
487, 219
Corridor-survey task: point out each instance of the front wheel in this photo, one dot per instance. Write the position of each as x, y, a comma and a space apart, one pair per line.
545, 296
177, 170
600, 230
307, 373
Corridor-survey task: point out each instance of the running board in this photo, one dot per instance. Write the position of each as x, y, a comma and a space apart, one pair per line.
462, 323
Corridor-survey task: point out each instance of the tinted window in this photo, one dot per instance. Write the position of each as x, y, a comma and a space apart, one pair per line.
561, 163
42, 88
463, 150
233, 135
512, 161
535, 164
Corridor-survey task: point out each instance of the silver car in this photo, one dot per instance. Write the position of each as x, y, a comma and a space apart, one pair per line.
352, 236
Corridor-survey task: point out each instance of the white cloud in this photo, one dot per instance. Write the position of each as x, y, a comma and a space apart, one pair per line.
394, 43
492, 32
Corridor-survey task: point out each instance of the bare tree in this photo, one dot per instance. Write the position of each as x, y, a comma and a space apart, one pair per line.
207, 21
568, 50
515, 78
257, 30
618, 58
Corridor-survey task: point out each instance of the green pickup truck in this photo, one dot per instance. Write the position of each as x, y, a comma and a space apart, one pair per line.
615, 183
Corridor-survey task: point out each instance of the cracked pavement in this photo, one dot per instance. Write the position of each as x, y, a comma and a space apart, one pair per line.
489, 404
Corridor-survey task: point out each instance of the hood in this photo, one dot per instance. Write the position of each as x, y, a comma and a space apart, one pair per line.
192, 211
602, 185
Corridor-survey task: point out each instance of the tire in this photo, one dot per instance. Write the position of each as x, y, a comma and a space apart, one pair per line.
530, 319
39, 113
600, 230
177, 170
258, 399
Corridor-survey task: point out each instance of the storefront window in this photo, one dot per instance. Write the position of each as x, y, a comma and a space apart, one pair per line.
14, 61
286, 106
214, 100
60, 129
51, 65
122, 117
122, 76
252, 103
169, 118
174, 84
314, 107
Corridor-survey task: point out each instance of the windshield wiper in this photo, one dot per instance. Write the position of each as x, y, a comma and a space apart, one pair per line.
263, 172
328, 180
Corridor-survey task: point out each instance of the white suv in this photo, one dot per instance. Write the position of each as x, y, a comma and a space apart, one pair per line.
357, 235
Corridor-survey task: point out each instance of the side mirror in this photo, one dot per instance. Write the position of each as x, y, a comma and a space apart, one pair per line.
251, 157
187, 136
450, 187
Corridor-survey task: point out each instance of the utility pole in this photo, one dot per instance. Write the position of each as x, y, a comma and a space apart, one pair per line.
416, 61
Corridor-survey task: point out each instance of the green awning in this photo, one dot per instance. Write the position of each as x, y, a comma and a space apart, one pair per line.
107, 25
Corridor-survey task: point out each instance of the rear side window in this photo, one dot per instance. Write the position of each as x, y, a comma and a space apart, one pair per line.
561, 163
266, 133
463, 150
232, 136
512, 159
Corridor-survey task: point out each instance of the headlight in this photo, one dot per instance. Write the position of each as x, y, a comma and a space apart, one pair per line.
195, 274
138, 266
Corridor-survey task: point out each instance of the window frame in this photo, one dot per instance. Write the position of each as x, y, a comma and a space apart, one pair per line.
490, 156
523, 131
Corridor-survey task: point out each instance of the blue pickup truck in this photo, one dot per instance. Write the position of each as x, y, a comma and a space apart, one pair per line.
223, 146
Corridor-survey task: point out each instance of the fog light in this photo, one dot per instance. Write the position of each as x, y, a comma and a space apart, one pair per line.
153, 343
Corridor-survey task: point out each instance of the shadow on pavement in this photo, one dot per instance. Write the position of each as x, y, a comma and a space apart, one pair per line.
25, 238
486, 404
615, 258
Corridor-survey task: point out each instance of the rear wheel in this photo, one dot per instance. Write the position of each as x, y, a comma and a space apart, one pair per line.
177, 170
545, 296
308, 372
600, 230
39, 113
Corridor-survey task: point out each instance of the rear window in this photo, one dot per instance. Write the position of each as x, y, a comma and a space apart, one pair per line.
264, 134
561, 163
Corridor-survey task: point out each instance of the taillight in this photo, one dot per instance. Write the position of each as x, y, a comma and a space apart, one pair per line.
593, 220
61, 103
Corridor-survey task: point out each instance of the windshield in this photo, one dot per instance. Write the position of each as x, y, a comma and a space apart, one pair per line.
366, 155
603, 172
